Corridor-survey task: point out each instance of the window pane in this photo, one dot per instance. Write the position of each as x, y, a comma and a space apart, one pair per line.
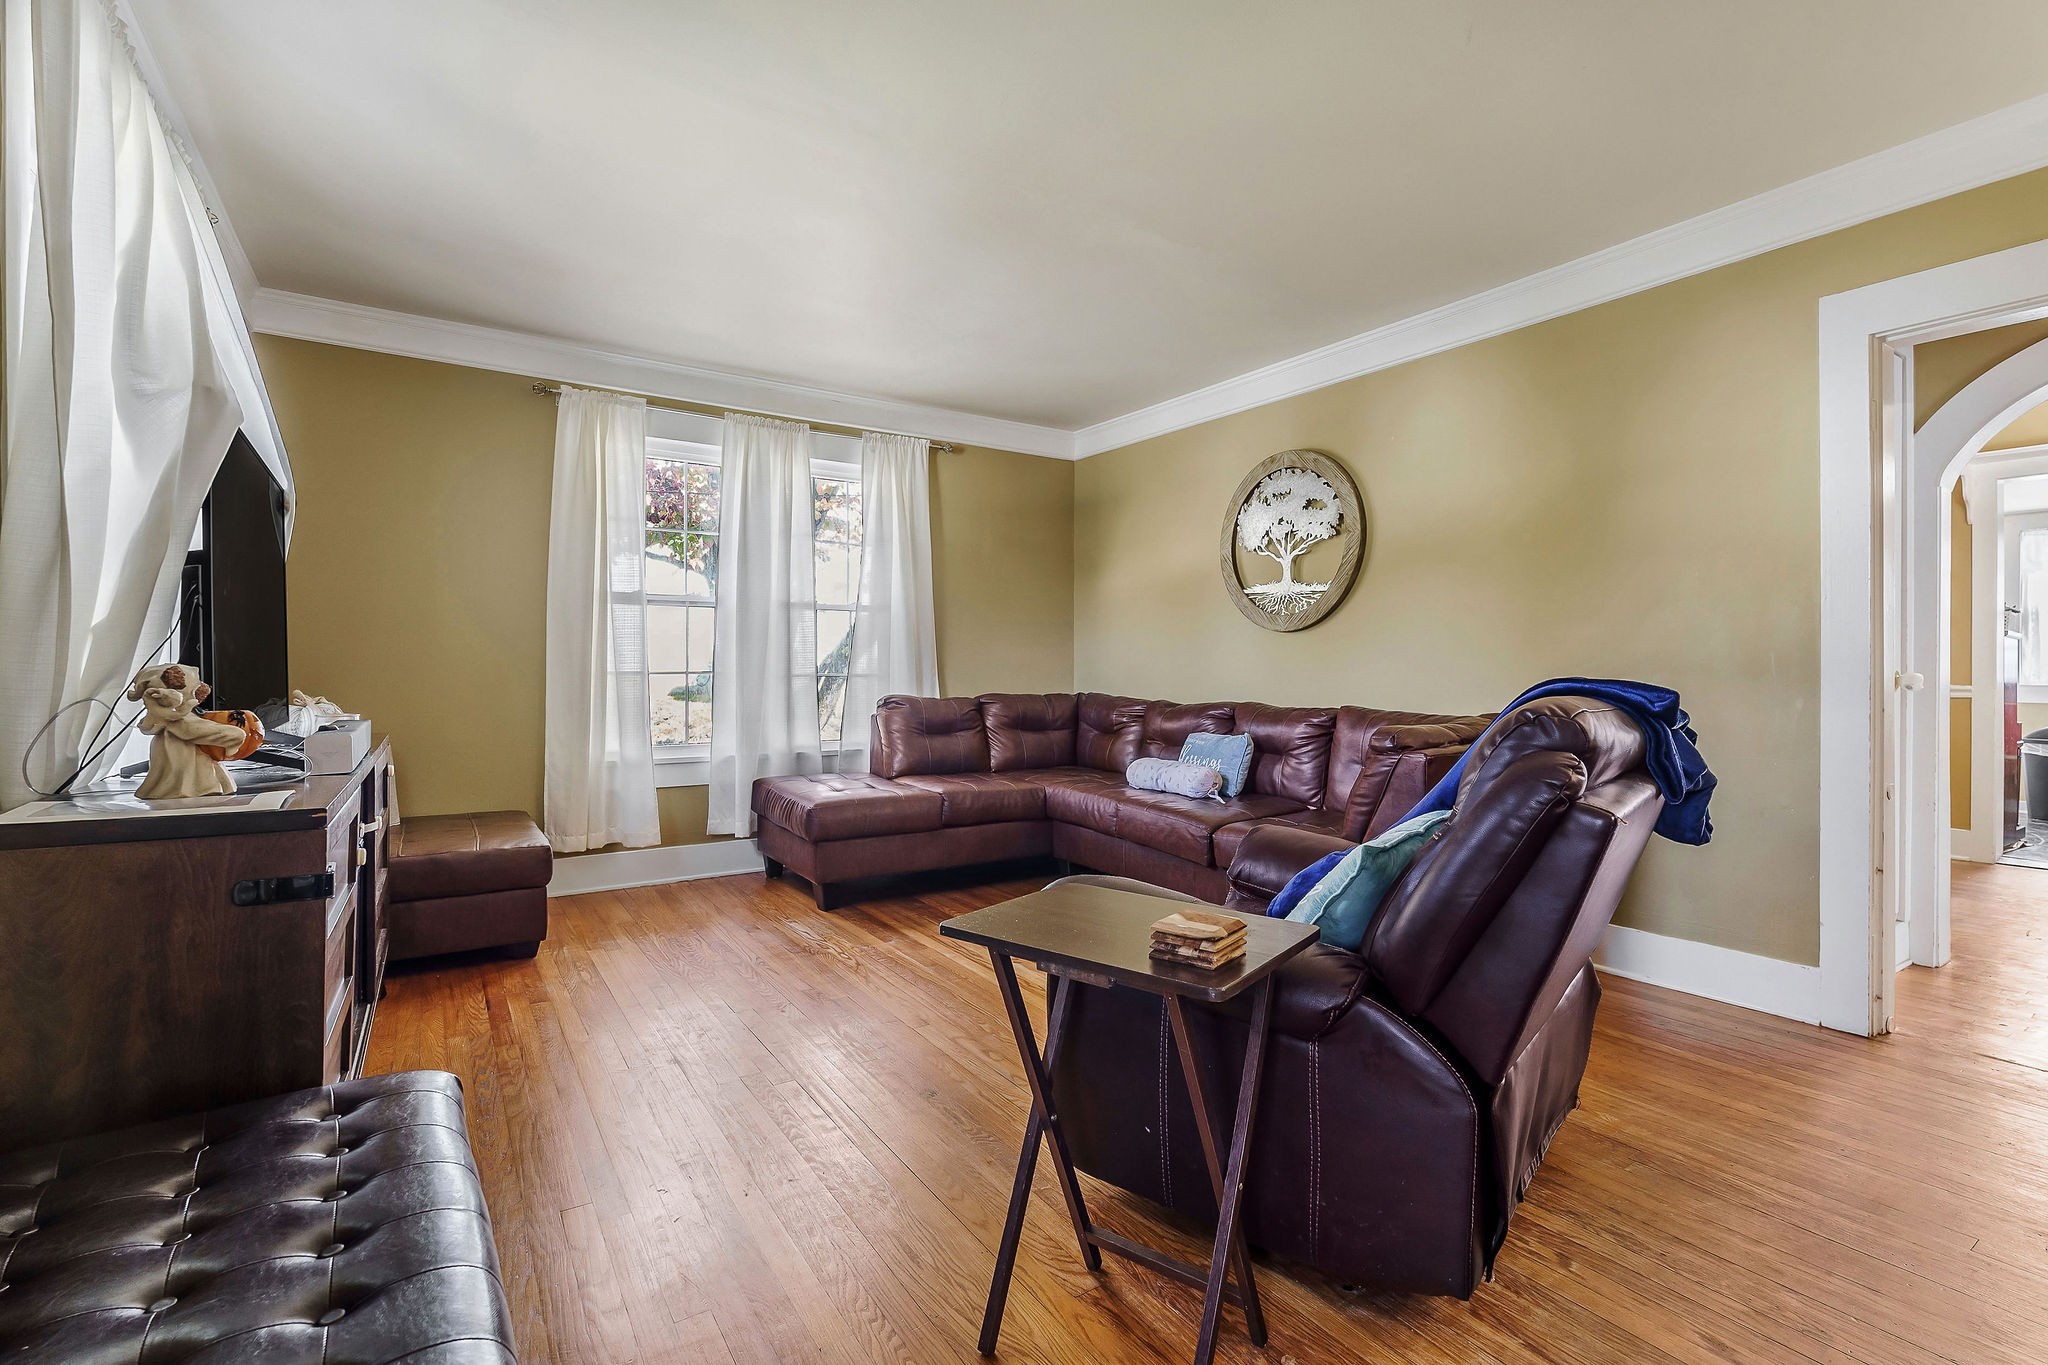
680, 565
837, 579
702, 559
666, 645
703, 497
667, 481
702, 631
665, 562
835, 640
670, 709
699, 703
853, 514
834, 509
831, 708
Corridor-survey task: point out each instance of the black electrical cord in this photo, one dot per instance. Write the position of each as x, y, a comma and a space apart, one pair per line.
93, 757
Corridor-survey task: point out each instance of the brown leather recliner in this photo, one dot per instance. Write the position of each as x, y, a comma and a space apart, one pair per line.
1413, 1086
956, 781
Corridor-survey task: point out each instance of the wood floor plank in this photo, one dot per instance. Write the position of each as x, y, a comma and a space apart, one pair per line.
718, 1125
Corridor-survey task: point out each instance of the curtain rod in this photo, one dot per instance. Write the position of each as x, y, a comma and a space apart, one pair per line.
555, 391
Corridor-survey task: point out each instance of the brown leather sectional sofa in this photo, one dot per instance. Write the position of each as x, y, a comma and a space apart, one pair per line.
1413, 1086
956, 781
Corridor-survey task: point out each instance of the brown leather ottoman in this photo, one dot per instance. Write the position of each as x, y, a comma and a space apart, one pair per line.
339, 1224
460, 882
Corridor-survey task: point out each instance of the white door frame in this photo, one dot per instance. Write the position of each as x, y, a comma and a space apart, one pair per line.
1869, 740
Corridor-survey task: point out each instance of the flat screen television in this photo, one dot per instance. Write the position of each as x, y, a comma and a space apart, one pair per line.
233, 590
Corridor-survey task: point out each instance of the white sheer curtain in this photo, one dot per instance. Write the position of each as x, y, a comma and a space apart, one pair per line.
599, 787
895, 643
764, 671
126, 373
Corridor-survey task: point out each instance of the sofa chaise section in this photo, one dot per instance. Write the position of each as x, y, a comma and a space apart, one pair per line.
961, 781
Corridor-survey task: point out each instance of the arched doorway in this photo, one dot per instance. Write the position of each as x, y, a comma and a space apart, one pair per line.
1935, 458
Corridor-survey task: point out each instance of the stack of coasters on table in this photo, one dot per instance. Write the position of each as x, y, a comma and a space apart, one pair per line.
1199, 938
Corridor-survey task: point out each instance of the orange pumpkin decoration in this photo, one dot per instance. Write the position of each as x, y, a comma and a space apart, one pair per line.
252, 734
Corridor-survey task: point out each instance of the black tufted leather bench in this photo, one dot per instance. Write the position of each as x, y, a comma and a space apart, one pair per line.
343, 1226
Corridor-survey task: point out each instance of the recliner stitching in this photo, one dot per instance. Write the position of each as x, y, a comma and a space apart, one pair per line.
1315, 1145
1165, 1110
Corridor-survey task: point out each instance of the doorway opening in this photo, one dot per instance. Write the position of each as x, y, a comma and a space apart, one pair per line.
1886, 486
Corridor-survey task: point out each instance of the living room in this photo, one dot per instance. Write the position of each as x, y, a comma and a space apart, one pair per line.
763, 683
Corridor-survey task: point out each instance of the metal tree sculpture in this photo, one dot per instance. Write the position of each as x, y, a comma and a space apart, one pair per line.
1288, 511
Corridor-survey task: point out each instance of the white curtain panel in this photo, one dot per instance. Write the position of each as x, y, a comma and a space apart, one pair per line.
124, 380
764, 679
895, 643
599, 785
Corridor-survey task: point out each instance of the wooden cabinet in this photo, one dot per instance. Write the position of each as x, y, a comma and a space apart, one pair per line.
157, 966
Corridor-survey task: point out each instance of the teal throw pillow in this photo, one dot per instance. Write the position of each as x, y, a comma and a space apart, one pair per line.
1230, 755
1342, 904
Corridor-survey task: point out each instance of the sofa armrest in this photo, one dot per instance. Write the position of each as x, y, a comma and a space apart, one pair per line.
1415, 772
1398, 756
1269, 856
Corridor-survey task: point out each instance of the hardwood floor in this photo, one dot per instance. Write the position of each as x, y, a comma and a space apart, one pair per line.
716, 1124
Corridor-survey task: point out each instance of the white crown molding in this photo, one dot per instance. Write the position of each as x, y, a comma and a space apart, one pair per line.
580, 873
301, 316
167, 108
1788, 989
2006, 143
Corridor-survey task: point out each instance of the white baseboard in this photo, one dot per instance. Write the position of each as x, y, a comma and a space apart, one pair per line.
1788, 989
652, 866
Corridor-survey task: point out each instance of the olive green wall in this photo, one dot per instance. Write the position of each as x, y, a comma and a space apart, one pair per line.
1631, 490
418, 570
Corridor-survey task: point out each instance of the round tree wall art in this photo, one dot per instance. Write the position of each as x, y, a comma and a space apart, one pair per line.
1293, 536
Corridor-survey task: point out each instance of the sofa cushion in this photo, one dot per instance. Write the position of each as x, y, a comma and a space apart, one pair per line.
1028, 729
1106, 731
982, 798
344, 1223
1290, 749
1168, 724
467, 855
846, 806
1177, 825
927, 735
1225, 844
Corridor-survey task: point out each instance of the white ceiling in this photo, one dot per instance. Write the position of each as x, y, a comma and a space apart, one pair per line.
1053, 213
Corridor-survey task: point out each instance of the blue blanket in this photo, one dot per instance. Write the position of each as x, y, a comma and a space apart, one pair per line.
1670, 752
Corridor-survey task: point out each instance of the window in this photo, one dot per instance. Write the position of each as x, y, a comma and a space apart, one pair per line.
836, 531
682, 586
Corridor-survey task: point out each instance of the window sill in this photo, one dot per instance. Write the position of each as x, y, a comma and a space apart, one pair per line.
694, 769
683, 770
